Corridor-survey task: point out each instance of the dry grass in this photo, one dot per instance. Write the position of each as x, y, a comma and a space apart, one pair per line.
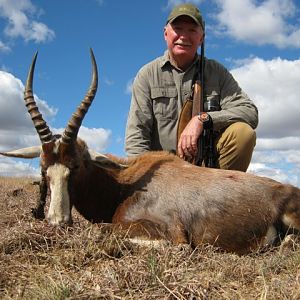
87, 261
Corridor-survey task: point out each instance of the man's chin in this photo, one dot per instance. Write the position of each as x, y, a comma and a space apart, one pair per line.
182, 48
182, 52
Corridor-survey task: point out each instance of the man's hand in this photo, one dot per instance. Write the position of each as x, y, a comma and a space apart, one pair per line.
187, 144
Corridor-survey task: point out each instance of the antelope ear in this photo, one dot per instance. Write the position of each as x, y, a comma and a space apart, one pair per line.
29, 152
103, 161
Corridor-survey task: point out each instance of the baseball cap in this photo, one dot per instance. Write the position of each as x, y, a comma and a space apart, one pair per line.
186, 9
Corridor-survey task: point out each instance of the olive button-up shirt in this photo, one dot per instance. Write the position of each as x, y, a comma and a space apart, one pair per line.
158, 93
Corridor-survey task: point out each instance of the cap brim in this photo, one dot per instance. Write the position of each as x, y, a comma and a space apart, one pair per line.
180, 15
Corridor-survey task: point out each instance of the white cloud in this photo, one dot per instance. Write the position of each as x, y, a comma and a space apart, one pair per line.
274, 87
4, 48
280, 144
282, 166
285, 159
273, 173
19, 14
11, 167
259, 22
14, 139
39, 32
13, 114
96, 138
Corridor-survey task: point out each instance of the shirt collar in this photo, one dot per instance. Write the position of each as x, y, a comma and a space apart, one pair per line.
165, 59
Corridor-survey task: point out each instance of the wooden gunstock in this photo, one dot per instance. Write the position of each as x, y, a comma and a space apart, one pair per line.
197, 99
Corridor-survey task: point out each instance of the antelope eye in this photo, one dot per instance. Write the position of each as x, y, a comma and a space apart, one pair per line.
75, 167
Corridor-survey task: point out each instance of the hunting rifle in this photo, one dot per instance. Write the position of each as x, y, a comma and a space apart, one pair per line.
206, 149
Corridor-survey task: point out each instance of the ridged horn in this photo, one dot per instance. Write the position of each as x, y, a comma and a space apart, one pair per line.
40, 125
70, 133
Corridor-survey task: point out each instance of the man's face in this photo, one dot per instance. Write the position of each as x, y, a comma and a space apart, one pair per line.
183, 37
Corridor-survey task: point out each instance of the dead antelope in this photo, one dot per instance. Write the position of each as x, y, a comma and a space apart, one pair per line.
156, 195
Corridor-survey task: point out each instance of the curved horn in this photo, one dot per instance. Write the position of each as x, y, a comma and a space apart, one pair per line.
40, 125
70, 133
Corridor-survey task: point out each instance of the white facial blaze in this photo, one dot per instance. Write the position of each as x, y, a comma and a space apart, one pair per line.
59, 210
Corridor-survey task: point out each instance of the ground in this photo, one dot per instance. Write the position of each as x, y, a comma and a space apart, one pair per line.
86, 261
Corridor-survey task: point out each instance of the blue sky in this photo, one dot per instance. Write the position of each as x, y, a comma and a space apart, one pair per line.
259, 41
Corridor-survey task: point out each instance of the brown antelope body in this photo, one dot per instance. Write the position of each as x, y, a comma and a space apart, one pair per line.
156, 194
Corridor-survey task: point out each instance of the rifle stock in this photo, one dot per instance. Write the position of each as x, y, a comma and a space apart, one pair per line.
198, 107
198, 104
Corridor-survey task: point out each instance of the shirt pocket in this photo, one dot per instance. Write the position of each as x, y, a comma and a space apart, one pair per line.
165, 102
212, 99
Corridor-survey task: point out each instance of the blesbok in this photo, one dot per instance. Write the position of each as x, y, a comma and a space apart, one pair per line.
156, 195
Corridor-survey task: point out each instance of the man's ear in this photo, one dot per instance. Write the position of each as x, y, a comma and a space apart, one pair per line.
201, 40
165, 32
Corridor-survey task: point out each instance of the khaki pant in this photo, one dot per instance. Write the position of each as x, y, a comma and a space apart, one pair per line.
235, 146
